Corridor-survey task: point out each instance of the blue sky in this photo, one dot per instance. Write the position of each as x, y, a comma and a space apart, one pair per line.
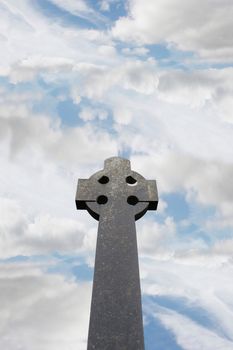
81, 81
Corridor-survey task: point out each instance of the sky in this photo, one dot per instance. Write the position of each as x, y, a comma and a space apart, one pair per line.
82, 81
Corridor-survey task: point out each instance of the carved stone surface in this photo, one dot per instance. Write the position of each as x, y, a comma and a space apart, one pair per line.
116, 196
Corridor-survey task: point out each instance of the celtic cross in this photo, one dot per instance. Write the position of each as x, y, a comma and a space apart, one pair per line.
116, 196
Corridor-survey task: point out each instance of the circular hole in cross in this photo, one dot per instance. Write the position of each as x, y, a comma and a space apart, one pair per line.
132, 200
104, 180
102, 200
131, 181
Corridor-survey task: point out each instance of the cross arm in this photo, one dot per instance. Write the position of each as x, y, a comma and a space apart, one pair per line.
87, 191
152, 194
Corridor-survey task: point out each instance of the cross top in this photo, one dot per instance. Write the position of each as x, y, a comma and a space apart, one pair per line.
117, 185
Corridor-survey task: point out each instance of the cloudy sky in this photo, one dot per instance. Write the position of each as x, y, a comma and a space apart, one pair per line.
81, 81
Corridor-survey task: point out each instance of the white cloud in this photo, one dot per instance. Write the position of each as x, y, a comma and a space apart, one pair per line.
38, 181
199, 88
201, 282
40, 134
201, 26
223, 246
191, 336
206, 182
99, 80
27, 36
88, 114
22, 233
27, 69
107, 51
81, 9
105, 5
153, 238
75, 7
42, 311
137, 51
122, 115
194, 88
198, 102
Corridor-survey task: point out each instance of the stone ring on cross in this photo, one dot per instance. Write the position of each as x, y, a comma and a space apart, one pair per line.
118, 185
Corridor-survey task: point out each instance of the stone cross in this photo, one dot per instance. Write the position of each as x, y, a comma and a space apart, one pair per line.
116, 196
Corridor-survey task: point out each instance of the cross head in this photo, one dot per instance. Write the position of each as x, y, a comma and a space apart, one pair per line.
117, 184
